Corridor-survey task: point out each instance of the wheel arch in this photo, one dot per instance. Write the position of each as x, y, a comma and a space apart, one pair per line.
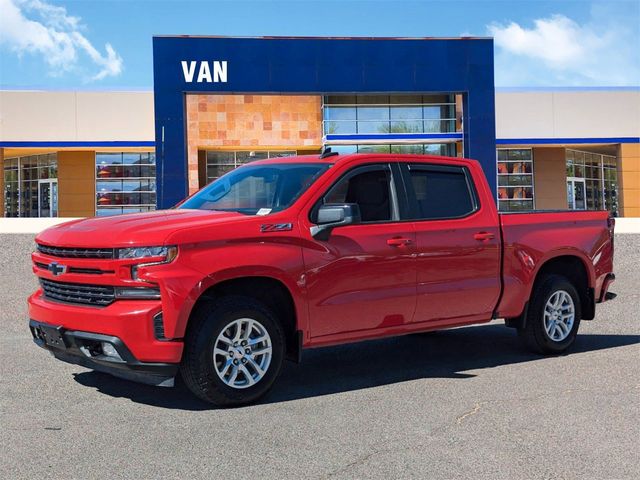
266, 287
575, 268
577, 271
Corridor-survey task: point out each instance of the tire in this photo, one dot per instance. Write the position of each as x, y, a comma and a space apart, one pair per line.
551, 334
209, 375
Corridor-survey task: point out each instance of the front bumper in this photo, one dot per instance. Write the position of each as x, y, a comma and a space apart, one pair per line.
85, 349
129, 320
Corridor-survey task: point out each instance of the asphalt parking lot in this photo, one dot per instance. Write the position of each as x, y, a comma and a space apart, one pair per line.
465, 403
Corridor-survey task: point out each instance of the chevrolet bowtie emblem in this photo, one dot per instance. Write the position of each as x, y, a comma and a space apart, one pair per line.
56, 269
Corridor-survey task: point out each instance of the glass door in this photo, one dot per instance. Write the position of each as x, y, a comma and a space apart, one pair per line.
48, 198
576, 198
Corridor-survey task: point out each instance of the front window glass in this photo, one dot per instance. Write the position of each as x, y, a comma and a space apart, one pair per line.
257, 189
369, 190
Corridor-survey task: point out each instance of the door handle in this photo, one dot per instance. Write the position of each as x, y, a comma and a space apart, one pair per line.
481, 236
398, 241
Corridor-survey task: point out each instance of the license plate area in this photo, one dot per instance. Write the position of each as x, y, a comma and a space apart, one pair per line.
52, 336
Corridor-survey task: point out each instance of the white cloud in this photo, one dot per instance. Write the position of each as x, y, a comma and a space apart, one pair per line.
37, 27
559, 51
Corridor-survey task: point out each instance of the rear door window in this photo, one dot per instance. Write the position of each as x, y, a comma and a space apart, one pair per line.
440, 192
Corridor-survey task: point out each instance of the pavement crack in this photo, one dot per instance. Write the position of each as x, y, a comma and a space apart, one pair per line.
473, 411
358, 461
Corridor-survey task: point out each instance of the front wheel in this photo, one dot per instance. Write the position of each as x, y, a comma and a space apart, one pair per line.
553, 317
233, 351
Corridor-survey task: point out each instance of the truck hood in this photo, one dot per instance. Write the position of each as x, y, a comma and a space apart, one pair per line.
138, 229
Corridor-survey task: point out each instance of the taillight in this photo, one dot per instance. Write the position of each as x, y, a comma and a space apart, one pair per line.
611, 225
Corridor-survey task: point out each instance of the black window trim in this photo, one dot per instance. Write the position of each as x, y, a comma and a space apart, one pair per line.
413, 210
396, 191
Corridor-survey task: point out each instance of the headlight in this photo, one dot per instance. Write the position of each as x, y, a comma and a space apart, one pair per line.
160, 254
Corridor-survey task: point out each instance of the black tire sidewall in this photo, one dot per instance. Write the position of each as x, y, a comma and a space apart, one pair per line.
535, 319
201, 342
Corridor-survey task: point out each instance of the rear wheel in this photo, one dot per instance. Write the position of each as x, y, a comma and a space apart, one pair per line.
553, 317
233, 351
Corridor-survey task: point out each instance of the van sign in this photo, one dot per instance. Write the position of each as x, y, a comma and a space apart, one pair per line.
207, 72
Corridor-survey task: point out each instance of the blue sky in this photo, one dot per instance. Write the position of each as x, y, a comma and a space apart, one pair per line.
106, 44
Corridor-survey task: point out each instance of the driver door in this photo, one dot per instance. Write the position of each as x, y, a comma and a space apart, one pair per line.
363, 276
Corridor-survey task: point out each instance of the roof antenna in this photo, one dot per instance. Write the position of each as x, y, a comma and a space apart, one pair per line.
326, 152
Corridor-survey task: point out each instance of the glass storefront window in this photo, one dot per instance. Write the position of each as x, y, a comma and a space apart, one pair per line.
221, 162
380, 114
599, 175
23, 196
515, 179
125, 182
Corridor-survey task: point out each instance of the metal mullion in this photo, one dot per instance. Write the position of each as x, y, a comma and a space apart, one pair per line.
338, 105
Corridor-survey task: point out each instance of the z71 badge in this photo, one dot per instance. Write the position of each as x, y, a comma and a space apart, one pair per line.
276, 227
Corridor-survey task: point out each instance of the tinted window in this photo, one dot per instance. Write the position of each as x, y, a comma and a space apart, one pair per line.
441, 193
370, 190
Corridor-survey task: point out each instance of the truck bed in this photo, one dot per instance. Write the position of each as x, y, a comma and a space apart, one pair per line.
533, 238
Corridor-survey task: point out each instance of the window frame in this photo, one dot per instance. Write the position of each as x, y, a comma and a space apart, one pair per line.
412, 201
396, 192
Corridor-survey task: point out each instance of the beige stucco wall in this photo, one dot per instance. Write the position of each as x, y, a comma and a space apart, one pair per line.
568, 114
76, 116
128, 116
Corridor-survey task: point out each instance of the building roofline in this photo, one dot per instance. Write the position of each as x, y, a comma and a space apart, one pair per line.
35, 89
116, 89
629, 88
276, 37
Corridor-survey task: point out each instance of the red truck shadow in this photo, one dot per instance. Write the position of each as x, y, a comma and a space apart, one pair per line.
325, 371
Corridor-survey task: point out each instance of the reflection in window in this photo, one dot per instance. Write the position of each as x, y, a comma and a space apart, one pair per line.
515, 179
125, 182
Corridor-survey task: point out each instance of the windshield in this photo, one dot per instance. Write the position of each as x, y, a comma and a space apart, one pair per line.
257, 189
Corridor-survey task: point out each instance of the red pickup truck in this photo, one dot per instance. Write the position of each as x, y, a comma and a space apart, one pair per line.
291, 253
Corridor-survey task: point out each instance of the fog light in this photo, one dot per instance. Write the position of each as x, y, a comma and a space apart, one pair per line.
110, 351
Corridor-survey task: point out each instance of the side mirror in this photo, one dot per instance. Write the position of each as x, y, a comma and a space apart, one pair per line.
332, 216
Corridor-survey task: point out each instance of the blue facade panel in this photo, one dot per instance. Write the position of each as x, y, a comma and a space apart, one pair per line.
320, 66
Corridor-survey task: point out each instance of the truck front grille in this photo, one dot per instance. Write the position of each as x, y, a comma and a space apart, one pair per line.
79, 294
66, 252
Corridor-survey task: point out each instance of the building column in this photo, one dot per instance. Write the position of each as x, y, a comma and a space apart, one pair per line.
629, 179
550, 178
1, 182
76, 183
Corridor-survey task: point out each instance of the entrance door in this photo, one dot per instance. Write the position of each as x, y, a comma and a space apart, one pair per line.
576, 193
47, 198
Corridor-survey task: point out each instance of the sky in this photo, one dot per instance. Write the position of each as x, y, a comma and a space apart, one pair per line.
106, 44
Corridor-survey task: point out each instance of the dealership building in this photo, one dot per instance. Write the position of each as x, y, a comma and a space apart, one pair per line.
222, 102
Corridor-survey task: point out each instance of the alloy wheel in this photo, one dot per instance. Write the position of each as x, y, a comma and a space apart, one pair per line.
242, 353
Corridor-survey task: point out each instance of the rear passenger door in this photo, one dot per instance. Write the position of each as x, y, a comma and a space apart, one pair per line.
457, 245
